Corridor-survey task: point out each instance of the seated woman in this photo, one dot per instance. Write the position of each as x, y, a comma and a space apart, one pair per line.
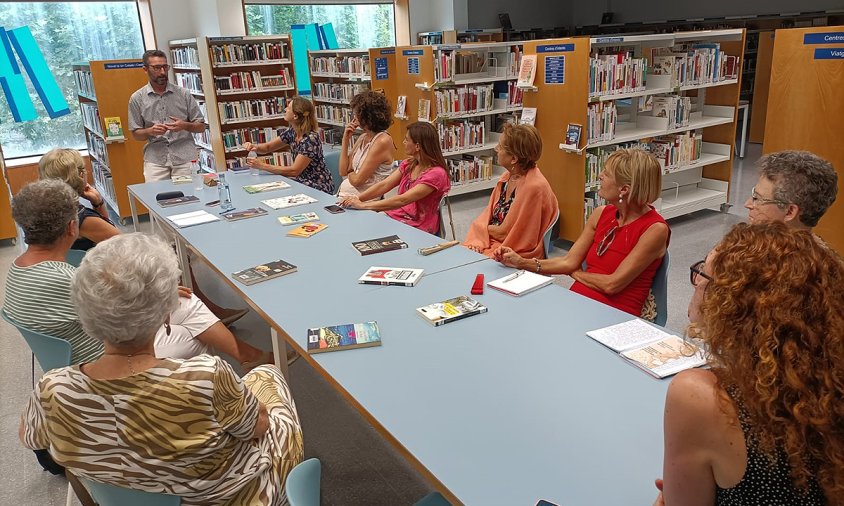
422, 180
38, 286
190, 427
94, 224
522, 205
623, 243
302, 139
371, 158
763, 425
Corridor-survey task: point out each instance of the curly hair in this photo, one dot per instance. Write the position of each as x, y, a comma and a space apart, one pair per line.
773, 316
43, 209
373, 110
804, 179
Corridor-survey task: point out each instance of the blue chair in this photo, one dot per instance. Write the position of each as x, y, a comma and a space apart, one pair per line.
111, 495
547, 237
50, 351
332, 162
659, 287
74, 257
302, 484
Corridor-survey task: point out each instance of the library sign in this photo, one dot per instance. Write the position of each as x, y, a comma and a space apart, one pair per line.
826, 53
21, 42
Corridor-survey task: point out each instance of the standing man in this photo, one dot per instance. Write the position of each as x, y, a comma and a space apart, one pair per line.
164, 115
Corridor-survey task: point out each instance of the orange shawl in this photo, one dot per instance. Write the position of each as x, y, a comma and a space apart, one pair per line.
531, 213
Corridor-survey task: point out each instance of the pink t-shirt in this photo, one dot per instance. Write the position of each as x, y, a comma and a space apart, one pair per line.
424, 213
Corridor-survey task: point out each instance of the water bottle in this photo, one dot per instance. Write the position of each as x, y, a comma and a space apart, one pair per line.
196, 176
253, 154
225, 193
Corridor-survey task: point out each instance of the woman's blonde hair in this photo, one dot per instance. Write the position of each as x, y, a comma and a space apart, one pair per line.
306, 121
64, 164
523, 142
638, 169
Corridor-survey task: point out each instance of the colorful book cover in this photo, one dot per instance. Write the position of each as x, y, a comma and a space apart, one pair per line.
246, 213
289, 201
573, 134
372, 246
527, 70
265, 187
343, 337
296, 219
307, 230
391, 276
447, 311
113, 128
177, 201
264, 272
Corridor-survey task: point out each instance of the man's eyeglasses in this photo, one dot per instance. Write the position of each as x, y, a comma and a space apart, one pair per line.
158, 68
697, 270
605, 243
757, 200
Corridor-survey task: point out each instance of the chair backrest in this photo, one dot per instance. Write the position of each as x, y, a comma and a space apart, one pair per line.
546, 239
302, 485
74, 257
50, 351
659, 287
432, 499
111, 495
332, 162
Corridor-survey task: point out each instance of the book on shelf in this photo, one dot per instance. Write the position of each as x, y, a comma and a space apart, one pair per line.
379, 245
655, 351
401, 106
113, 128
424, 110
266, 187
193, 218
528, 116
450, 310
252, 212
289, 201
178, 201
343, 337
264, 272
307, 230
181, 179
527, 70
297, 219
573, 134
520, 282
391, 276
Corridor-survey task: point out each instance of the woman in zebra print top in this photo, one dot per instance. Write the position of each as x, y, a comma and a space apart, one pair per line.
191, 427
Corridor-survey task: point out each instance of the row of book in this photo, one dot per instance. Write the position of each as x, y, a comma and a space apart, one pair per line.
206, 160
252, 81
357, 65
233, 139
469, 168
189, 80
515, 95
102, 179
458, 135
247, 53
464, 99
694, 64
84, 82
333, 113
255, 108
676, 108
330, 135
601, 120
184, 56
203, 137
338, 91
616, 73
277, 158
596, 159
591, 200
97, 148
91, 117
450, 63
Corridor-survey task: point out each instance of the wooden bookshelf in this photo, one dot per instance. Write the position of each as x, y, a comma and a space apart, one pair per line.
689, 186
8, 230
804, 109
337, 75
761, 86
383, 71
117, 160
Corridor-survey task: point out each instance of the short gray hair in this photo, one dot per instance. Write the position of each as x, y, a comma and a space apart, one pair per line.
43, 209
804, 179
125, 288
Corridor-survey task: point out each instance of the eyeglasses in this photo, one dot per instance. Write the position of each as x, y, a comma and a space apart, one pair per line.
758, 201
605, 243
158, 68
697, 270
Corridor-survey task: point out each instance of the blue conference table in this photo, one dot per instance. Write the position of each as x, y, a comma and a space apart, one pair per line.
506, 407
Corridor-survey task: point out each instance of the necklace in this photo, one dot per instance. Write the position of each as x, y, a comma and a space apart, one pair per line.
129, 358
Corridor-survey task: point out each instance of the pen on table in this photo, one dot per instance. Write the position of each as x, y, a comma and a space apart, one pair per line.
230, 210
514, 276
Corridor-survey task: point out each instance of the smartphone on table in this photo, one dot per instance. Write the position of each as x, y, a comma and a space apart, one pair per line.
334, 209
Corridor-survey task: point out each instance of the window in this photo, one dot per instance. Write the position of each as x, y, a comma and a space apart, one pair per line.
67, 33
358, 25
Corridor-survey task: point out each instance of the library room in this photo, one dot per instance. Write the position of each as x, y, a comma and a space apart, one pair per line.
571, 253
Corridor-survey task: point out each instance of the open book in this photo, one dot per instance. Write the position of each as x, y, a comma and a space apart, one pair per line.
655, 351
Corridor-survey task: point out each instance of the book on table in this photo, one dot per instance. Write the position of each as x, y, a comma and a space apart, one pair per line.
265, 187
655, 351
264, 272
307, 230
181, 179
177, 201
343, 337
246, 213
391, 276
289, 201
192, 218
450, 310
520, 282
297, 219
379, 245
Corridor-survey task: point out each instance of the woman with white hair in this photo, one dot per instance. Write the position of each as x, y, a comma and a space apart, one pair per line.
191, 427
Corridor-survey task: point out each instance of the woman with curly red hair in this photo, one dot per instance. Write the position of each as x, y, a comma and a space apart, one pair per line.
766, 424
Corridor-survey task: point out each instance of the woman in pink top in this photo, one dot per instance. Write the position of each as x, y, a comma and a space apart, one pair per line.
422, 181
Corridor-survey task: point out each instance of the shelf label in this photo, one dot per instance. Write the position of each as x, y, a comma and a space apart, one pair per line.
555, 48
125, 65
604, 40
412, 52
823, 38
413, 66
555, 70
388, 51
381, 70
829, 54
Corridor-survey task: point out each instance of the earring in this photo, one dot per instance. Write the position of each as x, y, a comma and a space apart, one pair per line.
620, 199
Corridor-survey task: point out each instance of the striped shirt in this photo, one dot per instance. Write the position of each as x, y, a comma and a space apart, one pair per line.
38, 298
146, 108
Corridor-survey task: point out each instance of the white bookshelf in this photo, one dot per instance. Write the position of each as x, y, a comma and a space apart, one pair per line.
359, 79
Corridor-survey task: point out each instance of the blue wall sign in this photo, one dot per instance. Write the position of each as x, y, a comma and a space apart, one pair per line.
555, 48
829, 54
127, 65
382, 72
604, 40
388, 51
412, 52
555, 70
823, 38
413, 66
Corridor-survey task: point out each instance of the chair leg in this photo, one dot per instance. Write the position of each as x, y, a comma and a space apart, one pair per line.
75, 488
70, 495
450, 219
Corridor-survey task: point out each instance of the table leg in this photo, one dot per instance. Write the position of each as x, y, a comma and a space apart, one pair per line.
280, 353
133, 206
184, 262
743, 132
